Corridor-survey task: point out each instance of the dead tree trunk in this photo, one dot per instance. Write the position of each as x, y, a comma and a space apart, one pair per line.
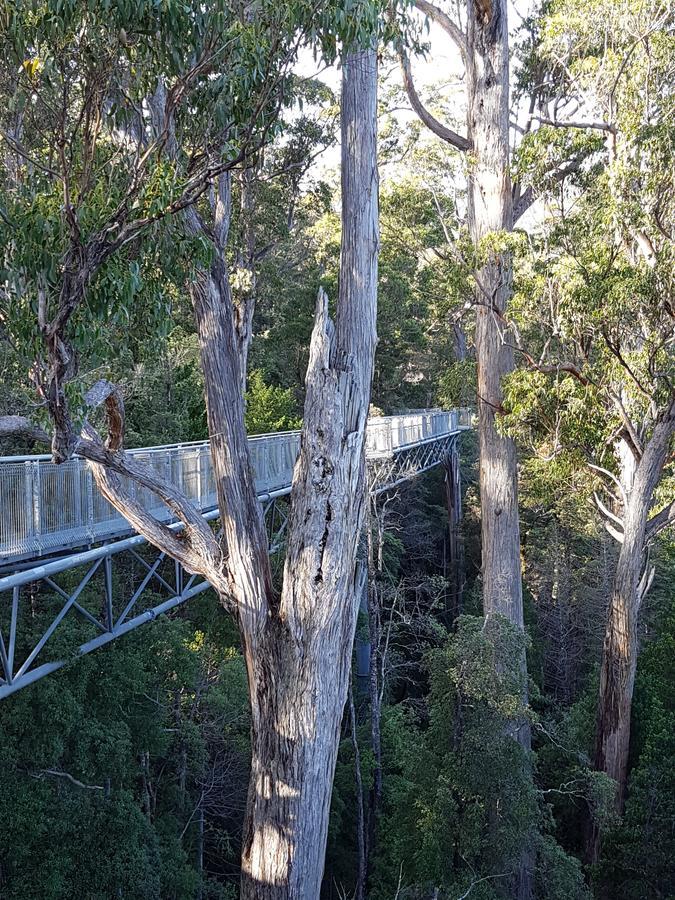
298, 653
297, 645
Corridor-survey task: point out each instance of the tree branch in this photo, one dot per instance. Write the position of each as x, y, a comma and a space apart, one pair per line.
443, 19
661, 520
553, 369
439, 129
607, 512
20, 425
56, 773
196, 547
617, 535
555, 123
630, 434
646, 580
528, 197
612, 477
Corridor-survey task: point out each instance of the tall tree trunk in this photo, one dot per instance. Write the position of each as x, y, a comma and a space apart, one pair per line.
200, 848
360, 885
632, 579
453, 493
297, 646
490, 212
376, 531
299, 654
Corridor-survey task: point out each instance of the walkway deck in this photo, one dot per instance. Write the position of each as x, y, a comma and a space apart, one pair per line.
46, 509
113, 588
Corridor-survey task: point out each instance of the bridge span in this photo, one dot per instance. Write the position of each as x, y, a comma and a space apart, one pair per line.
67, 548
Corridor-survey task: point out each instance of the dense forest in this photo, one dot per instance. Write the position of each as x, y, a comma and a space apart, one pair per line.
221, 219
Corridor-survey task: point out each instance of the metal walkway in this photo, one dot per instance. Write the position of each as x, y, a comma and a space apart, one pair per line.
115, 587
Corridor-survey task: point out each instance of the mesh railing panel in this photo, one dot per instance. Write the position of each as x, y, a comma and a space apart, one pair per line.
45, 507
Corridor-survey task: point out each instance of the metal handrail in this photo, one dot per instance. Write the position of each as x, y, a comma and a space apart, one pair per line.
45, 508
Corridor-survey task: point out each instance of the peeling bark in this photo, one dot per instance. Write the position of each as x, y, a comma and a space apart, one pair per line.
299, 655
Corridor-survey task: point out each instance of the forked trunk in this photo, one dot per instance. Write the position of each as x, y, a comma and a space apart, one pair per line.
620, 650
298, 655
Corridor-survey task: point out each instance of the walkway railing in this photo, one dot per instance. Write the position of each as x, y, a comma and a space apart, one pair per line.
45, 508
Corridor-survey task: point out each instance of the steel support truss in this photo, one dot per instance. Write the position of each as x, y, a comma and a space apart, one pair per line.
113, 589
387, 471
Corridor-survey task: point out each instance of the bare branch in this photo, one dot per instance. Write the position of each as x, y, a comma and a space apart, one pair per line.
20, 425
525, 200
617, 535
195, 547
661, 520
646, 582
56, 773
598, 126
438, 128
479, 880
447, 24
553, 369
612, 477
607, 512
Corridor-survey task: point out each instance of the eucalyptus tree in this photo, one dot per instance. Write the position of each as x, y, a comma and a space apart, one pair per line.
478, 31
121, 126
482, 42
609, 322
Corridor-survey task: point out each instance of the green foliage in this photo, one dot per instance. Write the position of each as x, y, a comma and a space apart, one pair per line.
639, 854
105, 762
269, 408
459, 803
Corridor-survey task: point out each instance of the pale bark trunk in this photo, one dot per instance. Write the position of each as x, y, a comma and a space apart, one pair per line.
375, 564
360, 886
455, 541
620, 648
490, 211
244, 306
200, 849
299, 655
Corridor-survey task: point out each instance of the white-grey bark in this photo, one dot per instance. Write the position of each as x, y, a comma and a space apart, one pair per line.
299, 654
632, 579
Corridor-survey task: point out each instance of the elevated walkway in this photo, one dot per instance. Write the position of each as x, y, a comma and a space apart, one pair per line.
67, 555
46, 509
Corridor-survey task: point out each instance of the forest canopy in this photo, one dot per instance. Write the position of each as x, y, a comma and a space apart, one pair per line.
222, 220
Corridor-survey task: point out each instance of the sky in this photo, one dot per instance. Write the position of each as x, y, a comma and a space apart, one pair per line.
442, 69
